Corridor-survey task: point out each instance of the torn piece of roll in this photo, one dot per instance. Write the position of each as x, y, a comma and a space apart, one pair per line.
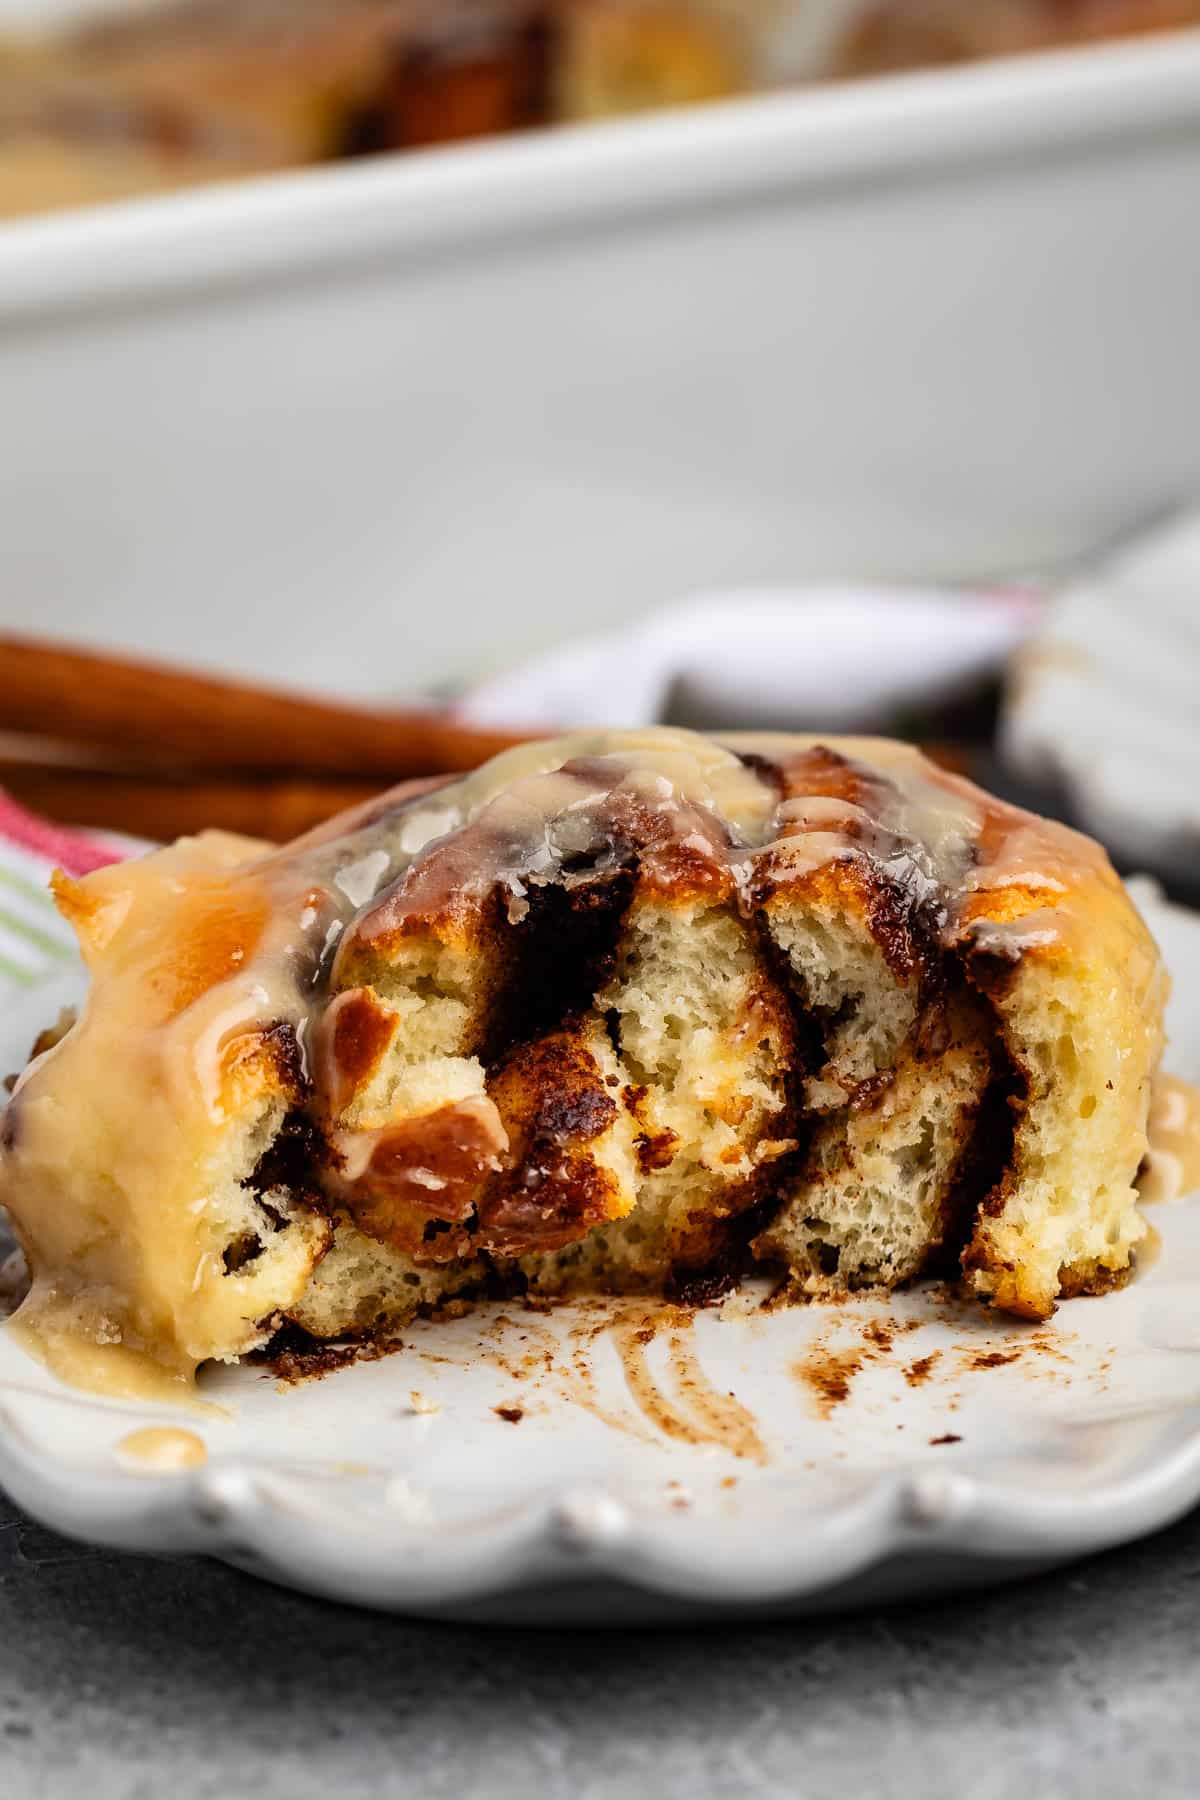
630, 1011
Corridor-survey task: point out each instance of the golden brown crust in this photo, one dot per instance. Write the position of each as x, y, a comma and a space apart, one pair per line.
857, 885
263, 1060
554, 1103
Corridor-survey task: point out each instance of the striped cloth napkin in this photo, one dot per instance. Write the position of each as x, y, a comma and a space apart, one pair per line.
35, 942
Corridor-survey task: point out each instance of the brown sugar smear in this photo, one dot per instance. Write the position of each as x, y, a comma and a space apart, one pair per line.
625, 1013
829, 1375
699, 1412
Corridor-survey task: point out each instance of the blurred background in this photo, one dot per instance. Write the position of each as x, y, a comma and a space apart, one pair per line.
384, 380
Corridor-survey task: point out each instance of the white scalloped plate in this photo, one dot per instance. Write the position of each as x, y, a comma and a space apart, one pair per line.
632, 1486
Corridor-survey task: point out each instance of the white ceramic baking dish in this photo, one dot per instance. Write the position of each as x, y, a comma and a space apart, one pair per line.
384, 424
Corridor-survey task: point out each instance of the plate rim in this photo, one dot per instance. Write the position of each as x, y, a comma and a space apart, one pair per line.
253, 1517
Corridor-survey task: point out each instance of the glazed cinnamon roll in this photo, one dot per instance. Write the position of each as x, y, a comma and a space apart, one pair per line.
632, 1011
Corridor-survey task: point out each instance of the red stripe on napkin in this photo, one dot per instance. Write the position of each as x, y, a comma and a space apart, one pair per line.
73, 851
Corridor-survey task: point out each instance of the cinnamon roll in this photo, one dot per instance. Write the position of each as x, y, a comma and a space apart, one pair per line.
630, 1011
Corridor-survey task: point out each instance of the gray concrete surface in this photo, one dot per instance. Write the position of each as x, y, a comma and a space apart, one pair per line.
123, 1678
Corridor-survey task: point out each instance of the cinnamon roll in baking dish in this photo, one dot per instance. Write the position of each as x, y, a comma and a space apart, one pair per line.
630, 1011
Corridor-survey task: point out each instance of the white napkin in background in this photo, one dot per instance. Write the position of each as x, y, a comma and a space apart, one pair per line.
1105, 699
835, 657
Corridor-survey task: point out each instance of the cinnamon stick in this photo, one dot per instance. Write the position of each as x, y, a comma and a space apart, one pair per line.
144, 806
149, 713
